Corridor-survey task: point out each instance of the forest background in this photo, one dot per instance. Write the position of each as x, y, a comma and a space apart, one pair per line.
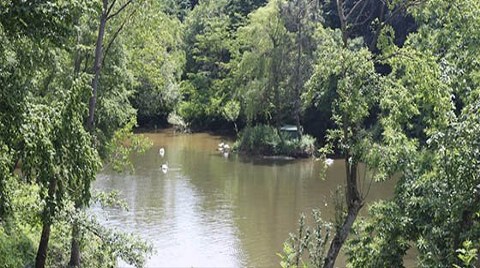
392, 84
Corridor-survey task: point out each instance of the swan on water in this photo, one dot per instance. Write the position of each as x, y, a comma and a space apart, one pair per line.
161, 152
328, 161
223, 147
165, 167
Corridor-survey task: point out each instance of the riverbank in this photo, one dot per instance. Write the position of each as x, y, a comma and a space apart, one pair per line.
260, 140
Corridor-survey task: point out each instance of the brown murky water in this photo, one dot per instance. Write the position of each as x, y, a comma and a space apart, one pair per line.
211, 211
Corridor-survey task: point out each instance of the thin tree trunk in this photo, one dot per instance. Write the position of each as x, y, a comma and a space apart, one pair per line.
236, 128
97, 65
75, 250
354, 204
343, 22
352, 195
48, 212
43, 246
342, 235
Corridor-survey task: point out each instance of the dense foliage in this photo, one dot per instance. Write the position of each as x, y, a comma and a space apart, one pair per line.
50, 151
393, 85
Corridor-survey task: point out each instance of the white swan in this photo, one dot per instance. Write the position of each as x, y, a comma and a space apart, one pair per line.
161, 152
224, 147
165, 168
328, 161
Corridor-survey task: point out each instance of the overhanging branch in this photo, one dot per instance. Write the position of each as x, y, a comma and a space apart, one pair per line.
120, 9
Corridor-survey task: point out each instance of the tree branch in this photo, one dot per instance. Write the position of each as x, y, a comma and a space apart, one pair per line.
406, 4
357, 4
111, 7
115, 35
384, 21
343, 22
120, 9
362, 22
361, 12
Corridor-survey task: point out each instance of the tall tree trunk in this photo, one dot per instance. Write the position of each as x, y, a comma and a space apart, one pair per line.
97, 65
352, 196
48, 213
354, 204
75, 245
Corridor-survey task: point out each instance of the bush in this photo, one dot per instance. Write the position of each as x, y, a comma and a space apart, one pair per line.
260, 139
307, 144
266, 140
178, 122
307, 247
16, 249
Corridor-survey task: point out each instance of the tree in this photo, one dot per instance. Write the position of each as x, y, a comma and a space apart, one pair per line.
351, 72
62, 144
436, 200
20, 43
43, 110
238, 10
37, 139
264, 44
301, 18
154, 44
208, 51
109, 11
231, 110
107, 14
347, 66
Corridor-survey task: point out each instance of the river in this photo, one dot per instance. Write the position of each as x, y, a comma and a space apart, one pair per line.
209, 210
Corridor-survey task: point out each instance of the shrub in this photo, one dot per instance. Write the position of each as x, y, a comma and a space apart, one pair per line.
260, 139
307, 144
266, 140
178, 122
16, 249
308, 246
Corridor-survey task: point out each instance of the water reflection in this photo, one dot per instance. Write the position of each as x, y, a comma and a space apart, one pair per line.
211, 210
